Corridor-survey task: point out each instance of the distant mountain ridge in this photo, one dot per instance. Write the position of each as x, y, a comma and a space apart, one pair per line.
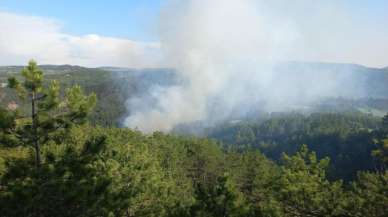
114, 86
49, 69
352, 80
68, 67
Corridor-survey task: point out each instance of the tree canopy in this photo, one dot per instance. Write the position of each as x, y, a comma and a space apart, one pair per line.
87, 170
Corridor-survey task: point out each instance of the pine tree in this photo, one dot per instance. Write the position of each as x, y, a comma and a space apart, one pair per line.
303, 188
381, 141
48, 112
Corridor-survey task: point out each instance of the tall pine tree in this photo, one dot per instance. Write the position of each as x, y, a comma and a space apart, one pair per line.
49, 112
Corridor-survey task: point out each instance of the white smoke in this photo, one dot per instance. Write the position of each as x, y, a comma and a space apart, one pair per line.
226, 52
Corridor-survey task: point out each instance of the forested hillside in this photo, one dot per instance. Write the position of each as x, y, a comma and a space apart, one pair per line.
115, 86
61, 155
347, 138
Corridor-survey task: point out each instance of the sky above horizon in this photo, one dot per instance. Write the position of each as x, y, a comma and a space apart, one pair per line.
127, 32
132, 19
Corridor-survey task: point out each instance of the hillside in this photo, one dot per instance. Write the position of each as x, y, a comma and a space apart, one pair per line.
349, 80
113, 87
253, 167
362, 89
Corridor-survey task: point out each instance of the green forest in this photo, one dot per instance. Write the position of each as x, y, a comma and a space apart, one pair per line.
62, 153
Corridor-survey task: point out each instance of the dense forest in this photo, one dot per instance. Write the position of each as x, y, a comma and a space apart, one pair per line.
63, 154
346, 138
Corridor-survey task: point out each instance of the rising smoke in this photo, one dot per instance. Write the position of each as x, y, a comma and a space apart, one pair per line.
230, 56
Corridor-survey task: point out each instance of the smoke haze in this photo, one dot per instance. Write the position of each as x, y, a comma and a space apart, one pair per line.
233, 56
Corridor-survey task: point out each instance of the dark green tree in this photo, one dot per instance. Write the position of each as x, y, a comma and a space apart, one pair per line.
219, 199
304, 190
49, 111
369, 195
73, 183
381, 154
7, 126
255, 176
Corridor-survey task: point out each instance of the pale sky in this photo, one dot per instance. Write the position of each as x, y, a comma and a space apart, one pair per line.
127, 32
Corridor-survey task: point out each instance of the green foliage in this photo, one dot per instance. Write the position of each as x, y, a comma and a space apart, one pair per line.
255, 177
381, 151
119, 172
369, 195
78, 103
70, 184
112, 88
7, 125
347, 138
303, 188
381, 154
89, 170
220, 198
49, 114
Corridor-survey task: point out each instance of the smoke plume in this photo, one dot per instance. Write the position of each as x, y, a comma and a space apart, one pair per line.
233, 56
